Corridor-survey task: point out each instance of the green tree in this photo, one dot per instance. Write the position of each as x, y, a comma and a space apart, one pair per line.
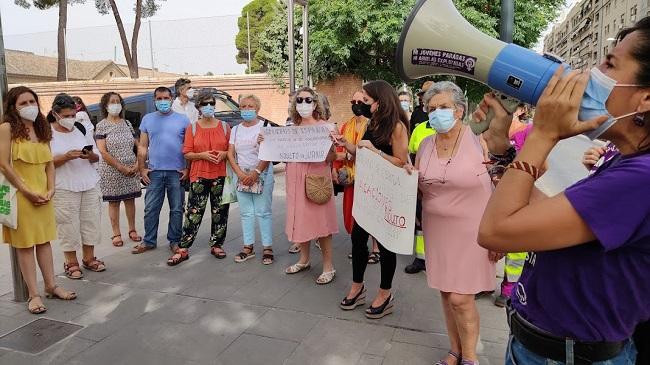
143, 9
63, 22
261, 14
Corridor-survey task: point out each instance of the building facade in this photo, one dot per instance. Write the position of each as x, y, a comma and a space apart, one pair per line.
587, 33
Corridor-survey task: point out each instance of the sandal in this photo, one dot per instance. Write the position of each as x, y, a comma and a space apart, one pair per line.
267, 257
141, 248
373, 258
133, 235
38, 309
179, 256
94, 265
326, 277
71, 269
67, 295
453, 354
246, 254
296, 268
119, 242
218, 252
295, 248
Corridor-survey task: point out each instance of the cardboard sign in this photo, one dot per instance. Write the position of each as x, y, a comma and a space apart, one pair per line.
384, 201
296, 144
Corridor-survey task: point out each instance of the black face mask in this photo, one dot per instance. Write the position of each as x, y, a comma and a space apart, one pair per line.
357, 109
365, 110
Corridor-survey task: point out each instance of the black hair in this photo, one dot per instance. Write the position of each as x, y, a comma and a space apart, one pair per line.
180, 83
61, 101
641, 50
163, 89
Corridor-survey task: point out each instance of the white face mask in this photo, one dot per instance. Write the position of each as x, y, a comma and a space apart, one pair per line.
114, 109
305, 110
67, 123
190, 93
29, 112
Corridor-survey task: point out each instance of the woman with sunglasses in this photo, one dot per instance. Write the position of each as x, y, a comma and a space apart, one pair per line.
386, 135
306, 220
206, 146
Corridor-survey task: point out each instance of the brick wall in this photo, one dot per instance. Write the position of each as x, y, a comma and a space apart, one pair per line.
274, 100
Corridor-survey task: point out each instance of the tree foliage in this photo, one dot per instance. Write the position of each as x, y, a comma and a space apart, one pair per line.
360, 36
261, 14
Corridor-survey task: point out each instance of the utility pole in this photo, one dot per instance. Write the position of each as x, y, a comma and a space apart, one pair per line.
292, 56
153, 68
305, 43
20, 288
248, 33
507, 20
65, 45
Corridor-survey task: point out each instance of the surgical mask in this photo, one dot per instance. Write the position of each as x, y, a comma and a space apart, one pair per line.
248, 115
593, 105
357, 109
67, 123
29, 112
365, 110
114, 109
207, 111
164, 106
190, 93
305, 110
442, 120
406, 106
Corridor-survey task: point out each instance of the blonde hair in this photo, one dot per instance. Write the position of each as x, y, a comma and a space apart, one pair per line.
258, 103
319, 112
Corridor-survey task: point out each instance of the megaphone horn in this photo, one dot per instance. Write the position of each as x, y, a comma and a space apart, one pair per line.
436, 39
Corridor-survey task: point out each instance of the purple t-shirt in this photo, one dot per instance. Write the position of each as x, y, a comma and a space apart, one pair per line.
597, 291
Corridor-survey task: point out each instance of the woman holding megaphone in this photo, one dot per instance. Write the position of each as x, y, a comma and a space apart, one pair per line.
584, 287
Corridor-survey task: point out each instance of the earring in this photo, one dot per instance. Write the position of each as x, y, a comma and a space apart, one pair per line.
639, 120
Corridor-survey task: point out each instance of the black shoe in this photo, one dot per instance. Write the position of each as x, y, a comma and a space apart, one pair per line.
350, 304
381, 311
415, 267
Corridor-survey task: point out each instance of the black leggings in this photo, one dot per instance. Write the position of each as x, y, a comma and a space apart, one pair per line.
388, 259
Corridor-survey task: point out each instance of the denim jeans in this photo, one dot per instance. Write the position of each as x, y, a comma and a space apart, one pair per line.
165, 181
517, 354
252, 206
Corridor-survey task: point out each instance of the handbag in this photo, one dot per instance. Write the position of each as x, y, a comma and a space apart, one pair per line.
256, 188
8, 201
318, 188
229, 194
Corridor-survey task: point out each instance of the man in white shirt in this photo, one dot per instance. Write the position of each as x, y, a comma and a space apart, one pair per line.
182, 103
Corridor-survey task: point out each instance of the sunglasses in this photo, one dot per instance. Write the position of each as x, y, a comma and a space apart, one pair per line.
213, 103
307, 100
356, 102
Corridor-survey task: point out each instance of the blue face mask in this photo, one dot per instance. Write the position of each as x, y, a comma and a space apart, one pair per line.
406, 106
207, 111
164, 106
598, 89
442, 120
248, 115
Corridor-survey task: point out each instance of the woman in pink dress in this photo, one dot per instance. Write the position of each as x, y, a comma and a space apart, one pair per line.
455, 189
306, 220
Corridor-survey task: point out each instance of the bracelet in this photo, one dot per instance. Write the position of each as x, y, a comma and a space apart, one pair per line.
525, 167
504, 159
381, 154
258, 171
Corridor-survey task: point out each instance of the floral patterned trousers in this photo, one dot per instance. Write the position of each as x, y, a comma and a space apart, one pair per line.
200, 191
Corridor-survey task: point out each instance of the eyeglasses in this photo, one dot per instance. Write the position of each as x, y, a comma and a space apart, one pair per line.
213, 103
356, 102
307, 100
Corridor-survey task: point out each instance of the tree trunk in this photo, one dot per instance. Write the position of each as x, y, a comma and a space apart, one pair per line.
125, 42
134, 68
62, 71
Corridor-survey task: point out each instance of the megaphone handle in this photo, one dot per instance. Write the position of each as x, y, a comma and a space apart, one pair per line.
509, 103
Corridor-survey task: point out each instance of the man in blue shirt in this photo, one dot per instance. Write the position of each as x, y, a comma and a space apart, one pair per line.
162, 167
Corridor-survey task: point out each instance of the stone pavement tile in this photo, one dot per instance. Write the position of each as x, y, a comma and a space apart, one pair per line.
286, 325
256, 350
10, 308
183, 309
267, 286
341, 342
428, 339
94, 292
10, 323
59, 353
370, 360
409, 354
104, 319
496, 336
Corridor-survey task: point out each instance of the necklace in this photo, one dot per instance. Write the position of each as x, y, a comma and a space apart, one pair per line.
442, 180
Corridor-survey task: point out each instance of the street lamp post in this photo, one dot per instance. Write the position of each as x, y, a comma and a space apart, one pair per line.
507, 20
305, 43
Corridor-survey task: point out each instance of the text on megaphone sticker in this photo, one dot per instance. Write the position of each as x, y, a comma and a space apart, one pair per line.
444, 59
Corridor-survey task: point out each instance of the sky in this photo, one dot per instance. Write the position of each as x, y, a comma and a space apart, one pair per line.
176, 33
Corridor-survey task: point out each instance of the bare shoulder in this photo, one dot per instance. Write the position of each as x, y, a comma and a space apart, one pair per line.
400, 129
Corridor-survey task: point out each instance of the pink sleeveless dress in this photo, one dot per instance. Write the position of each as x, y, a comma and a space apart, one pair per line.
453, 202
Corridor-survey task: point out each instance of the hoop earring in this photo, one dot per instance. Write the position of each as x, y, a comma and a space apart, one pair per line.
639, 120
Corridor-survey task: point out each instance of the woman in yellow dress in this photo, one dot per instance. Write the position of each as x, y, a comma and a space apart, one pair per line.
26, 161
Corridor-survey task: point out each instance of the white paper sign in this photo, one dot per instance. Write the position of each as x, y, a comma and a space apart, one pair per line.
384, 201
296, 144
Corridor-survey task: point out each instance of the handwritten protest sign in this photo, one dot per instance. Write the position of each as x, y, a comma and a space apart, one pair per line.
384, 201
296, 144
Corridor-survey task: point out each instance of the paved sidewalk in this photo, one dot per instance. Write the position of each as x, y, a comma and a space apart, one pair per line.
208, 311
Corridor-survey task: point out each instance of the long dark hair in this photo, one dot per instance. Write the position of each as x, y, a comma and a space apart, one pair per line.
103, 104
389, 112
80, 103
18, 130
641, 53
